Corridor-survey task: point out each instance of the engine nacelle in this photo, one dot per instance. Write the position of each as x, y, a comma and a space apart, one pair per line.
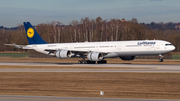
127, 57
63, 54
95, 56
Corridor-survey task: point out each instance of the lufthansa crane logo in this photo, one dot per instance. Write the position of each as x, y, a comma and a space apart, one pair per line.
30, 32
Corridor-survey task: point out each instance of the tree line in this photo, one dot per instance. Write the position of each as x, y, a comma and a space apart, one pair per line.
90, 30
161, 25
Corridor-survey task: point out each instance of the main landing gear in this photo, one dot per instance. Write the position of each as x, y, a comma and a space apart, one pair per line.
91, 62
161, 58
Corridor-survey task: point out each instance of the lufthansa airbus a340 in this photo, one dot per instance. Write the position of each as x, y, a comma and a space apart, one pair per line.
92, 52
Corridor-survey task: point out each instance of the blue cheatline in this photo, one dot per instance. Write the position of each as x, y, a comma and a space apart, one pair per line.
32, 36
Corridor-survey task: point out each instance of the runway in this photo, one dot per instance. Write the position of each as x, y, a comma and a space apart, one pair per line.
145, 67
53, 98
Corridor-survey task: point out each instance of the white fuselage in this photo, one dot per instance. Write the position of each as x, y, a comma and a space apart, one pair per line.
111, 48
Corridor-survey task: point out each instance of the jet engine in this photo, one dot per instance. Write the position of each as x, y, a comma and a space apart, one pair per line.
95, 56
63, 54
127, 57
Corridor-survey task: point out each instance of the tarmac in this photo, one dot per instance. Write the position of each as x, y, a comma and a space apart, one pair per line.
153, 68
54, 98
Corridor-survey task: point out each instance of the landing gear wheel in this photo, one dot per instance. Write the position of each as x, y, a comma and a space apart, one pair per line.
102, 62
160, 60
84, 62
80, 62
91, 62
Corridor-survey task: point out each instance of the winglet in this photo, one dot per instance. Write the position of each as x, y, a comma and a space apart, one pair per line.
32, 36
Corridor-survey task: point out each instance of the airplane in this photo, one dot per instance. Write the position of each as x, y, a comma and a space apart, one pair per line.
92, 52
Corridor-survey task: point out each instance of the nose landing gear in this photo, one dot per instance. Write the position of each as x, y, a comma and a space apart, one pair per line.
161, 58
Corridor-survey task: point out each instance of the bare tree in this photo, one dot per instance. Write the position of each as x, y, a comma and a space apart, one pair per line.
99, 28
74, 24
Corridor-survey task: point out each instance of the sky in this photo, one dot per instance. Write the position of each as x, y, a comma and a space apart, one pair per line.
15, 12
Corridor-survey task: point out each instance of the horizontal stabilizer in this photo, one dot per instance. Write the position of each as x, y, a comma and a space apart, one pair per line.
17, 46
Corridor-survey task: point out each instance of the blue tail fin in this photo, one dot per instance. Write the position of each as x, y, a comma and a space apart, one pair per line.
32, 36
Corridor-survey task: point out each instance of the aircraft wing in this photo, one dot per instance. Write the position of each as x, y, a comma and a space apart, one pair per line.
82, 51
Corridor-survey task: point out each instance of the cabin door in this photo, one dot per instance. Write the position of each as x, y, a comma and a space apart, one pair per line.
119, 46
158, 45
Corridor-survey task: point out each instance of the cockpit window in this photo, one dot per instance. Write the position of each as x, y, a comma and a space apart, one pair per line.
168, 44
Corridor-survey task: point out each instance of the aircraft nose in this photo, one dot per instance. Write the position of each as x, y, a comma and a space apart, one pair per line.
173, 47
